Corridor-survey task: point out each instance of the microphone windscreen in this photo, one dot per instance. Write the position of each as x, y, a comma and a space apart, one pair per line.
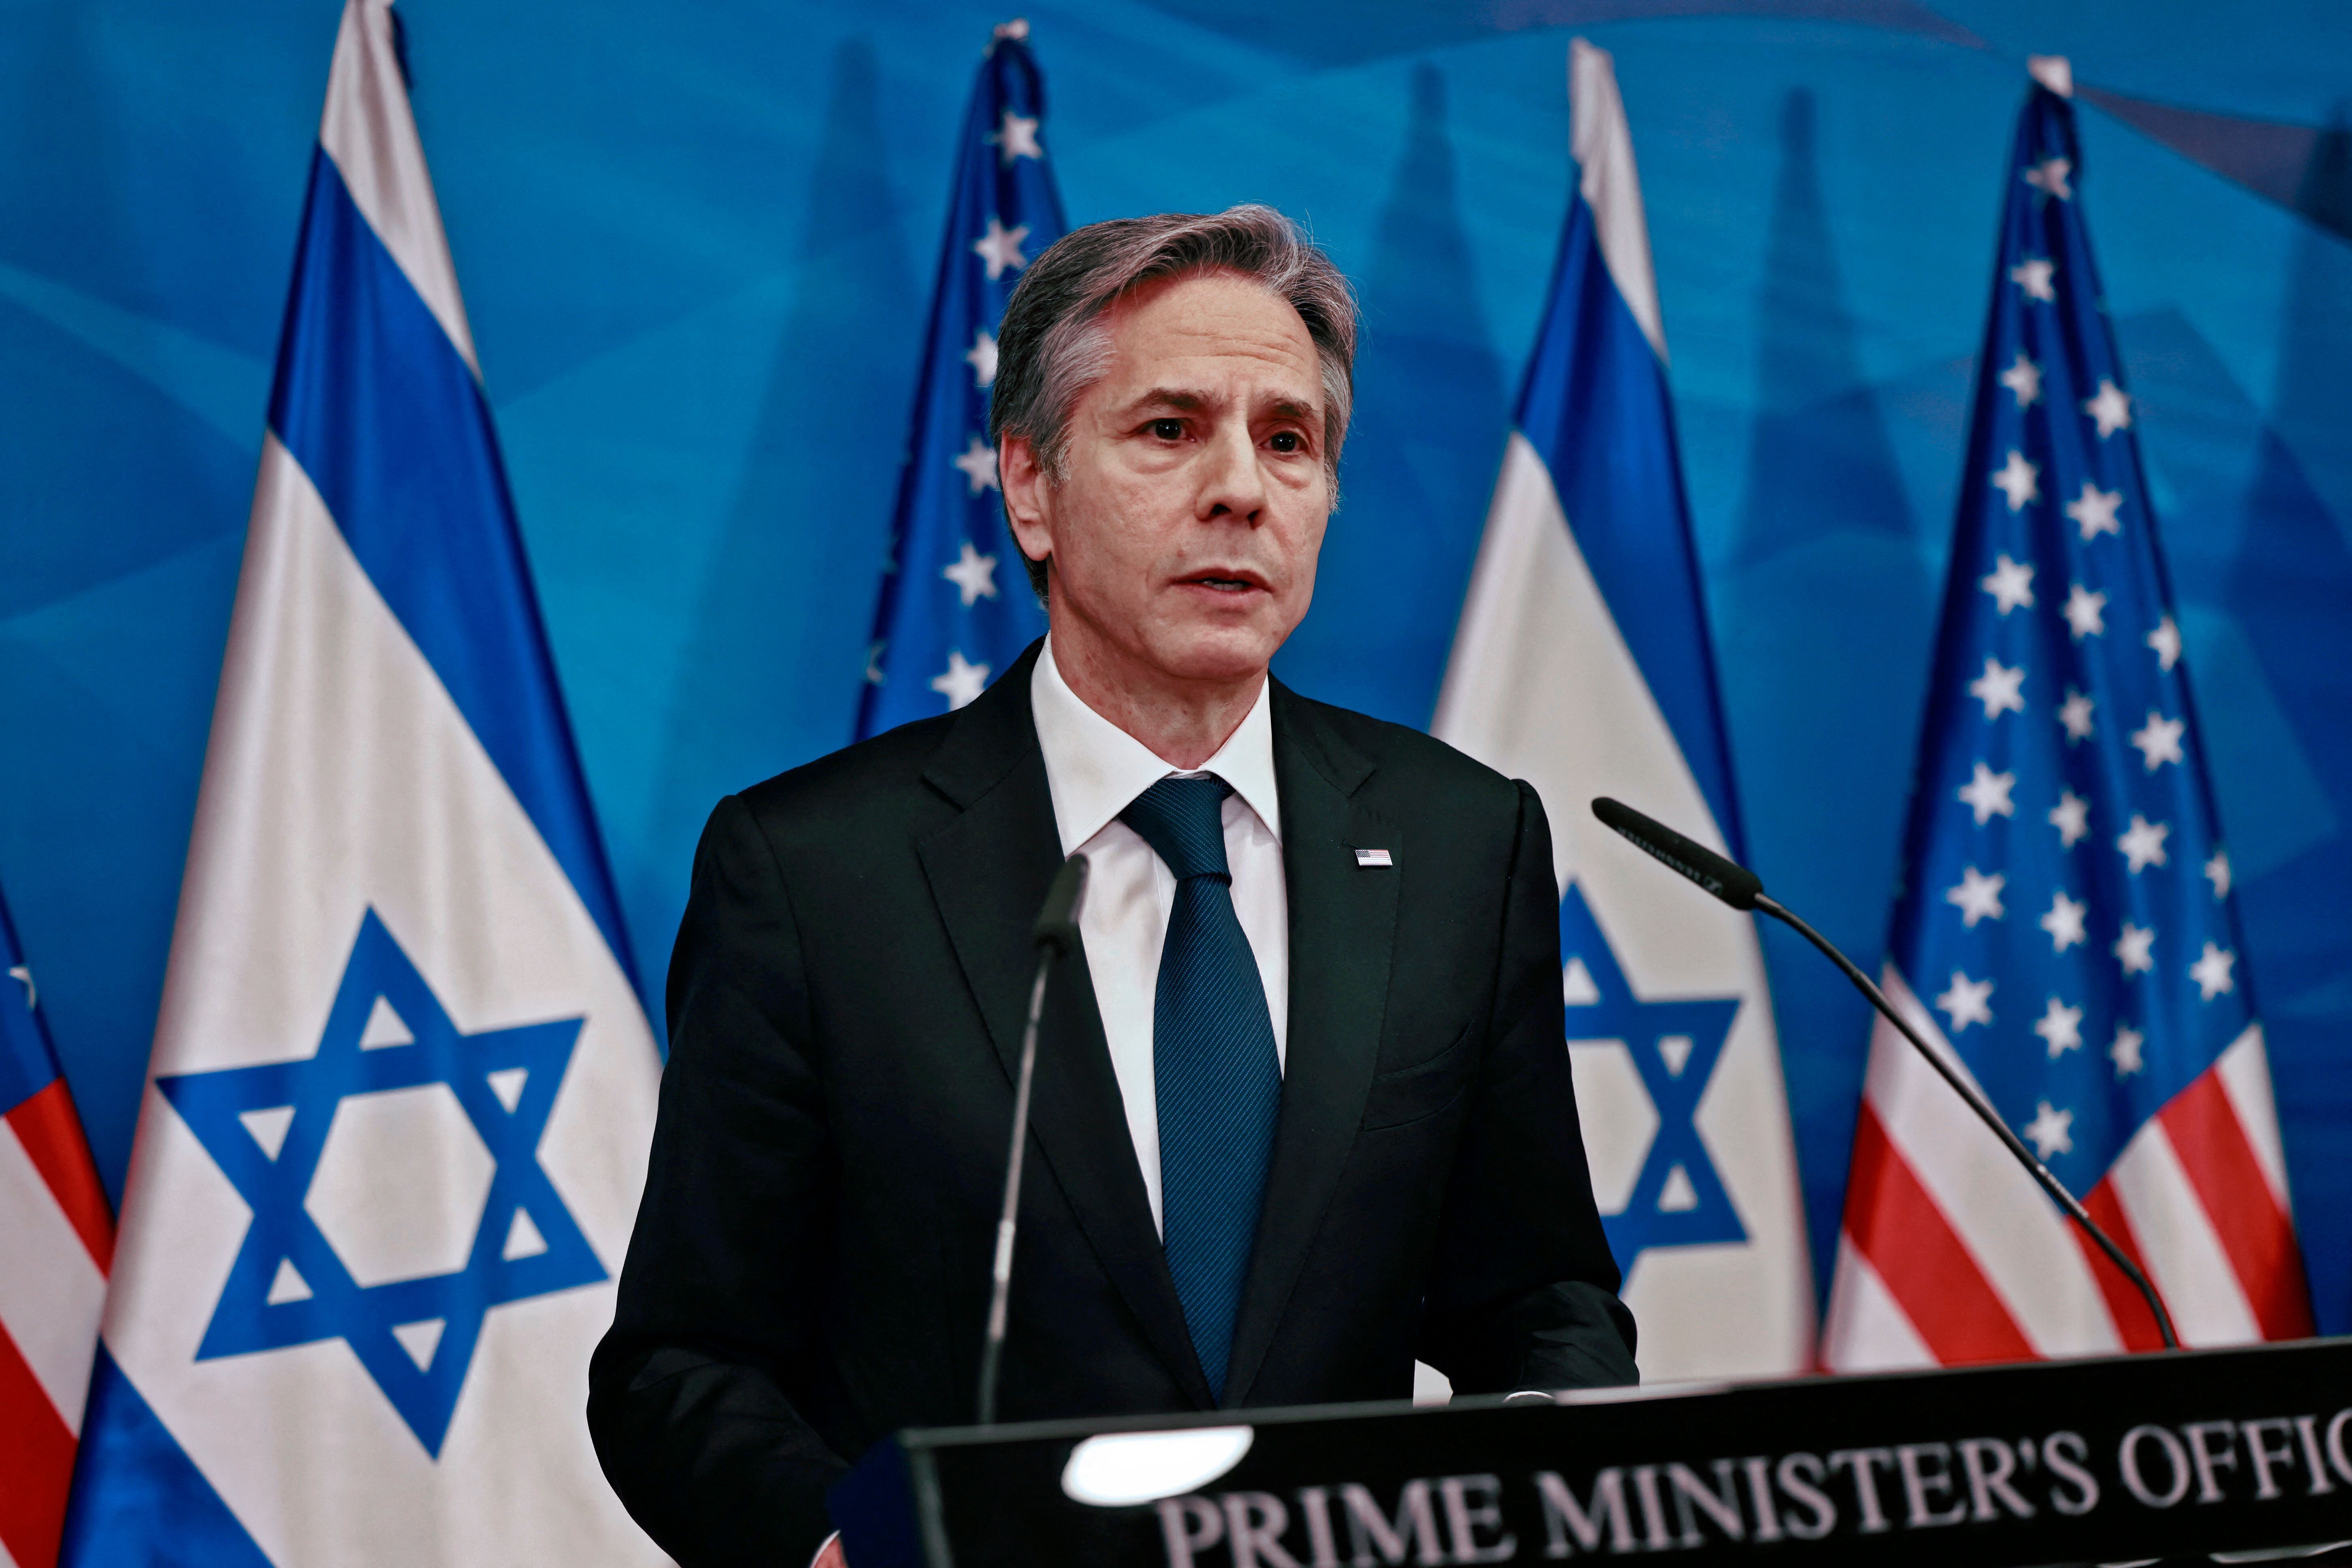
1733, 883
1057, 921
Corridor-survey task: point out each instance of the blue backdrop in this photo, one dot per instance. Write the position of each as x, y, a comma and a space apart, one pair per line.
697, 244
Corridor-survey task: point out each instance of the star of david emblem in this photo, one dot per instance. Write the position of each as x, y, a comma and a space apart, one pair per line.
1678, 1198
390, 1064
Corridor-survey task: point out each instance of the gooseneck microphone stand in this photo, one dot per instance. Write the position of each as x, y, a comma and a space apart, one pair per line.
1741, 888
1055, 936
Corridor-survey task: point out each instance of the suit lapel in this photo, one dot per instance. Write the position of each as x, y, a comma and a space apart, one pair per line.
989, 871
1342, 936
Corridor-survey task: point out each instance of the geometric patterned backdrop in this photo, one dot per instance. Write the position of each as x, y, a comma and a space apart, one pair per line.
695, 244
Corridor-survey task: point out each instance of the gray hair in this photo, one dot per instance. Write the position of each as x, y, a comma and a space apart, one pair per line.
1054, 345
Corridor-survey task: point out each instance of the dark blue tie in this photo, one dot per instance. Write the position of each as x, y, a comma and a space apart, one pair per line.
1213, 1061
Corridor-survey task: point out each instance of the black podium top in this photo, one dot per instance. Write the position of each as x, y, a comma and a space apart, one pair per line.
2084, 1461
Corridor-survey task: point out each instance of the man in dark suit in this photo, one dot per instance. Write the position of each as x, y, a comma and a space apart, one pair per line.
1302, 1110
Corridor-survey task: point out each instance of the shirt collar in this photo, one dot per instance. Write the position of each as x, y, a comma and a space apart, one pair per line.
1095, 769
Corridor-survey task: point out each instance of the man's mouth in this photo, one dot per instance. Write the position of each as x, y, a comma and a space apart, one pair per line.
1224, 581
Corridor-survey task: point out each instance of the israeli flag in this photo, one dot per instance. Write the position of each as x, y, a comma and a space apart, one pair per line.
402, 1088
1581, 665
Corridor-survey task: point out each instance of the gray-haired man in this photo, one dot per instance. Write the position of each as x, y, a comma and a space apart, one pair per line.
1303, 1111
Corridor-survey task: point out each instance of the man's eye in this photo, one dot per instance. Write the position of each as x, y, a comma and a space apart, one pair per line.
1285, 441
1167, 429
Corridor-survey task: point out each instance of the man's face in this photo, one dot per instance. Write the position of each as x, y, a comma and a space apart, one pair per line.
1184, 533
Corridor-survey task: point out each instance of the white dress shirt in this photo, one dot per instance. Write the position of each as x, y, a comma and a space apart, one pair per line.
1095, 770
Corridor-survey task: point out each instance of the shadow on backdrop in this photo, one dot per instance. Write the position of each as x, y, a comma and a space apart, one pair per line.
2301, 167
63, 181
1825, 521
64, 186
778, 630
1423, 449
2312, 402
115, 582
2291, 588
1349, 31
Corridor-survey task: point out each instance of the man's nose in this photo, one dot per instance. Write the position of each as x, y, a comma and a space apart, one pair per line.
1232, 483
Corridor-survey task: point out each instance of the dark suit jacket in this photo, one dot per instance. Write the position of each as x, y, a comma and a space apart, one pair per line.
810, 1267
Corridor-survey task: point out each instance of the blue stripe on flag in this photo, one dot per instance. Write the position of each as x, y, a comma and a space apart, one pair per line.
1595, 408
156, 1509
375, 404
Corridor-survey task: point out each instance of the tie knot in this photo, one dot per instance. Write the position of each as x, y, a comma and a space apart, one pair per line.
1183, 821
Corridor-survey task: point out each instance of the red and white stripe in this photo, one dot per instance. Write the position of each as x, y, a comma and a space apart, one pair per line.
58, 1240
1950, 1254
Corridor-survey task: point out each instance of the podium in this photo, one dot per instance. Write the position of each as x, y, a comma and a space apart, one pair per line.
2166, 1457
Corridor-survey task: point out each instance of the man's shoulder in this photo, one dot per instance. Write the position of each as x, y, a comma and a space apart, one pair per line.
1404, 762
867, 785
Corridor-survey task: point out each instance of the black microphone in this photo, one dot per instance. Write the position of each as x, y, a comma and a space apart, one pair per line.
1735, 884
1741, 888
1055, 935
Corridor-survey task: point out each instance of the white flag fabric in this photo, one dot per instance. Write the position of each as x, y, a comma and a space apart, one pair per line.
1582, 666
402, 1086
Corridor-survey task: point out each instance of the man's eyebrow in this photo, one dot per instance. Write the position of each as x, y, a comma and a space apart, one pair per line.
1171, 398
1185, 400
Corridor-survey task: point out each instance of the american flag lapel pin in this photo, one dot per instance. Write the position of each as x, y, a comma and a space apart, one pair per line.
1374, 858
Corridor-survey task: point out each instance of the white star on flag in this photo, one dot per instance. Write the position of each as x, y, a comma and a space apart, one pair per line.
2017, 479
1017, 138
961, 680
2072, 818
2024, 379
1986, 793
2094, 510
2033, 277
2125, 1052
2217, 871
2142, 843
2166, 641
2111, 408
973, 573
978, 465
874, 662
2051, 1131
2065, 921
2010, 584
982, 357
24, 973
2212, 971
2085, 613
2135, 949
2075, 714
2049, 177
2159, 740
1000, 247
1967, 1002
2061, 1027
2000, 689
1003, 214
1978, 896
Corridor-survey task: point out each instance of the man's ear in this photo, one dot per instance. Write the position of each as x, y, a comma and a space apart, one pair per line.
1027, 499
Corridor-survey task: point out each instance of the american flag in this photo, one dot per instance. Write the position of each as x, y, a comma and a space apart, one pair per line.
956, 609
2066, 932
56, 1241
